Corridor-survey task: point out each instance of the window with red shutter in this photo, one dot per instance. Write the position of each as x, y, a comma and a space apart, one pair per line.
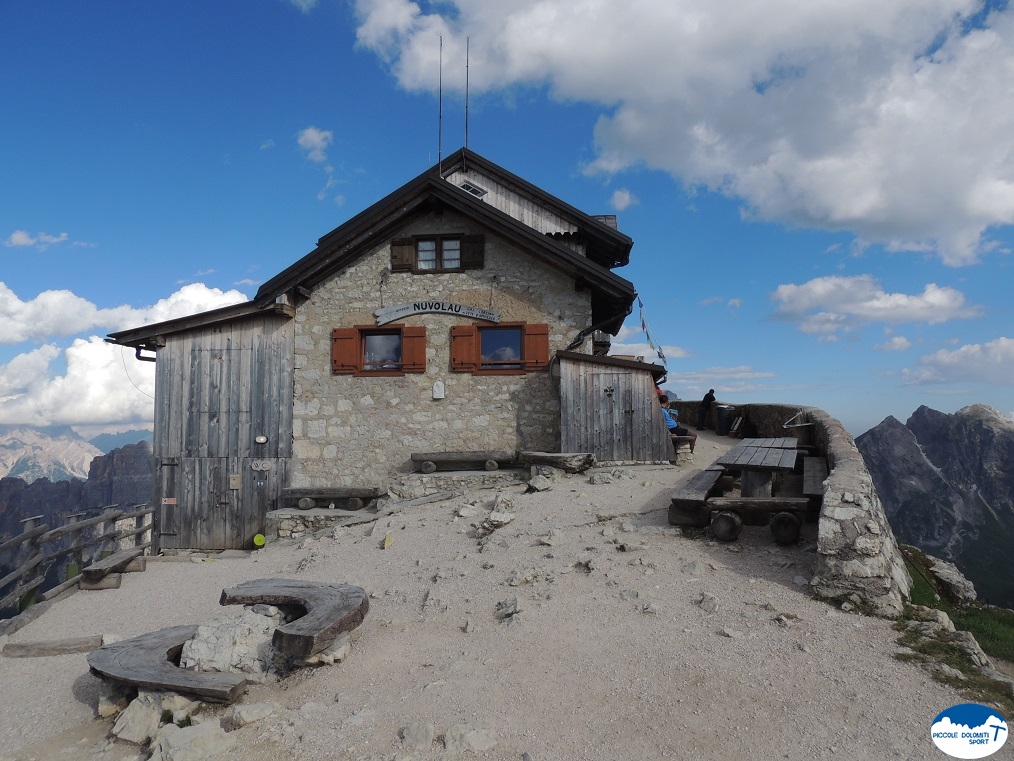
503, 349
368, 350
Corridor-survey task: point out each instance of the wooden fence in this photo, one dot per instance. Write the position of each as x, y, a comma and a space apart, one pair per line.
40, 547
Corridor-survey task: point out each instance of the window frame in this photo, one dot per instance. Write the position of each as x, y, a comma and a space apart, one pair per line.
348, 350
405, 253
466, 348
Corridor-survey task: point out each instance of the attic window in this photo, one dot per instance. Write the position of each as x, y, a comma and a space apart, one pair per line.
438, 253
474, 189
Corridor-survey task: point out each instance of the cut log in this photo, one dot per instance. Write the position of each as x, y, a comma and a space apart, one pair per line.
785, 528
149, 661
759, 503
726, 526
576, 462
114, 563
432, 461
330, 610
52, 647
109, 581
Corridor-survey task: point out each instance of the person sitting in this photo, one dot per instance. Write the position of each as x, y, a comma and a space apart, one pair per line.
671, 418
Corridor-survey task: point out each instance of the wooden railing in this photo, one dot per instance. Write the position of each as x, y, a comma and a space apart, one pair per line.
39, 547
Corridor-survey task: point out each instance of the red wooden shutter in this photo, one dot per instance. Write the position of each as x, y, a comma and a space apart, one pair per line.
536, 351
402, 255
473, 252
413, 349
344, 351
464, 356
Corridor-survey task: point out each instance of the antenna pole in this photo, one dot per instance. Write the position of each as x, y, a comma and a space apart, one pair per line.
466, 91
440, 110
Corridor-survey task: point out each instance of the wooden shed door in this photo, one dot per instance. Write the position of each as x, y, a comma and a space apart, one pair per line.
216, 502
612, 406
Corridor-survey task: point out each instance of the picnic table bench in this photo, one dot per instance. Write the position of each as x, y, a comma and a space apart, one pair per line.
703, 502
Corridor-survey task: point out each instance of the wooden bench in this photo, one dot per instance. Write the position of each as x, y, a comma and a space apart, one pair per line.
149, 661
330, 610
345, 498
107, 572
814, 475
428, 462
687, 507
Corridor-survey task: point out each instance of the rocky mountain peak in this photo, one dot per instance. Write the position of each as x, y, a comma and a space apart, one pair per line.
947, 485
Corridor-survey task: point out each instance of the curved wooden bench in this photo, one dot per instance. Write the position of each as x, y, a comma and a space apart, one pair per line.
330, 610
149, 661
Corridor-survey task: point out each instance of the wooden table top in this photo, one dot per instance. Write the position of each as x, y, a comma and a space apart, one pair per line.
761, 454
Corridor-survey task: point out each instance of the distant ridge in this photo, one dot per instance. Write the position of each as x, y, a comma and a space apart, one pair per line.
56, 453
107, 442
947, 485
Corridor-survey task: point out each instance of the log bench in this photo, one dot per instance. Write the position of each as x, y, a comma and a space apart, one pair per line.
330, 610
428, 462
107, 572
150, 661
814, 475
687, 507
345, 498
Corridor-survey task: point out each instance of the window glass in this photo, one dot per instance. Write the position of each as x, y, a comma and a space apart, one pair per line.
500, 348
451, 254
427, 254
381, 351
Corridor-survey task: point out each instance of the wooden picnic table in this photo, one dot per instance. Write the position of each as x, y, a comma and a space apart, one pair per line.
758, 460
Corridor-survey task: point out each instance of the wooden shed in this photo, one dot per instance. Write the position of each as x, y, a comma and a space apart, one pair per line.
609, 407
223, 424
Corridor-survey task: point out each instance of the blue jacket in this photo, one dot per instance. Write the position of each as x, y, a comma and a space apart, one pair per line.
669, 416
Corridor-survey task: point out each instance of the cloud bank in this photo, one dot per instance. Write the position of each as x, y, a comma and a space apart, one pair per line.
88, 382
889, 120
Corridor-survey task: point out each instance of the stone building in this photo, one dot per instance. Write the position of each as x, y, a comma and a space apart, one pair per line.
429, 322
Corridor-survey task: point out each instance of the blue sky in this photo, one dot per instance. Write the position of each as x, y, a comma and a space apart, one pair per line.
820, 195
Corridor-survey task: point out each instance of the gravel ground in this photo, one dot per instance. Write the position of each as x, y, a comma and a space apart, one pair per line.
610, 657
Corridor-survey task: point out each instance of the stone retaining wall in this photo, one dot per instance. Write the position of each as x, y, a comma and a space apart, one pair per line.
857, 553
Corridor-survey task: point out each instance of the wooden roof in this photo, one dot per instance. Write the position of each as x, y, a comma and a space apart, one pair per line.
605, 247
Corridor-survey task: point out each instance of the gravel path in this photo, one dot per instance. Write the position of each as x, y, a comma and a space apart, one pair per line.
610, 657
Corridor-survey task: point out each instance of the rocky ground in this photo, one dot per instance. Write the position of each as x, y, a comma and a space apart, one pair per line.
627, 640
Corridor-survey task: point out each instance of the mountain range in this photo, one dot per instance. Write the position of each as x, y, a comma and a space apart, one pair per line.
56, 452
947, 485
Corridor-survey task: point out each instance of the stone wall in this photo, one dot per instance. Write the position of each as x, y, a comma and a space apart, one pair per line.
857, 553
361, 431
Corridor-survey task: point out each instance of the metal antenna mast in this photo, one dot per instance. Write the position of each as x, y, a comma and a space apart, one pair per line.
440, 110
467, 40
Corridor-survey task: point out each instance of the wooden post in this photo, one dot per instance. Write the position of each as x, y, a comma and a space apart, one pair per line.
32, 551
108, 528
77, 548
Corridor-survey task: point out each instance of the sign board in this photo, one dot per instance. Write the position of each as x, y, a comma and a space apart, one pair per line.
385, 315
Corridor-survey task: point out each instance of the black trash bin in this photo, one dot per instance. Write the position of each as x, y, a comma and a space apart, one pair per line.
723, 419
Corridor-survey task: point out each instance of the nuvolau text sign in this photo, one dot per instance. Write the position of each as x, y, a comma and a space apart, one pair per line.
385, 315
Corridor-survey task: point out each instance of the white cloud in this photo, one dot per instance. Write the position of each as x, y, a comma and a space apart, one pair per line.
895, 343
630, 340
304, 5
62, 313
100, 386
315, 143
991, 363
40, 241
890, 120
828, 306
622, 199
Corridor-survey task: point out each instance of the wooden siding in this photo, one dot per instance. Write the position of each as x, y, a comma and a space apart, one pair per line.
519, 206
612, 412
217, 389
